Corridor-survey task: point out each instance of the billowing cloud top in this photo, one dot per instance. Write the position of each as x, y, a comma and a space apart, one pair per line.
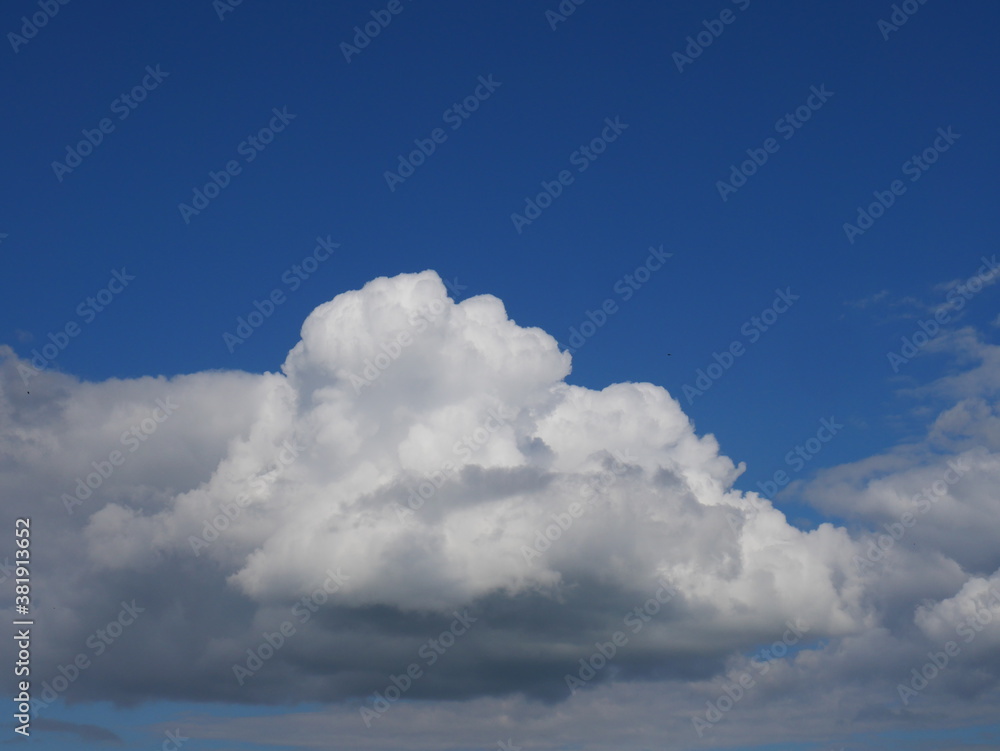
419, 462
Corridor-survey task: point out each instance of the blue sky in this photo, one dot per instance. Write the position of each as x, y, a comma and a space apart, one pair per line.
655, 185
210, 83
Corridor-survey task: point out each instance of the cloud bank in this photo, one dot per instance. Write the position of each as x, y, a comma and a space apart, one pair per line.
420, 468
